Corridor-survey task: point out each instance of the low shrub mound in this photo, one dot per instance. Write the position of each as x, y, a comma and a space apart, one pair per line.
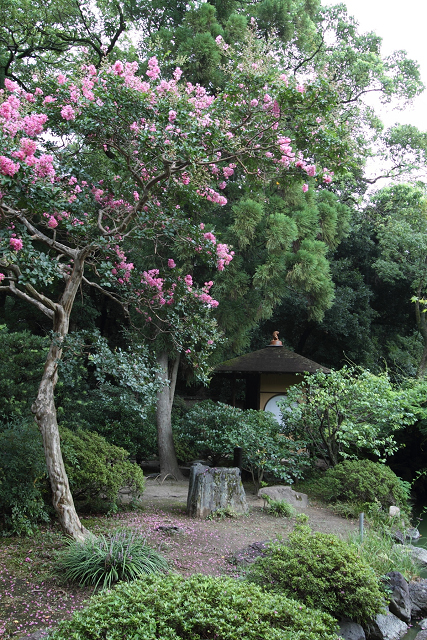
105, 560
97, 470
364, 481
200, 607
322, 571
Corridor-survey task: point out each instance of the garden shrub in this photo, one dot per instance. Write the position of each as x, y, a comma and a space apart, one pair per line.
199, 607
212, 430
97, 470
104, 560
23, 476
322, 571
364, 481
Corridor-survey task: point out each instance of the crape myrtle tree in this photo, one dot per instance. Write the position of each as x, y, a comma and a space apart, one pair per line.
165, 138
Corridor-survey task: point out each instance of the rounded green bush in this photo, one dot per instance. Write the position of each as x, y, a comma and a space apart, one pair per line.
364, 481
97, 470
196, 608
322, 571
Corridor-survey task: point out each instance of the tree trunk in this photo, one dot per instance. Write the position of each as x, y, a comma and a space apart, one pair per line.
167, 454
45, 413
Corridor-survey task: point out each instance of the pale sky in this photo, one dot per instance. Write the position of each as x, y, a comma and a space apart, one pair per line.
402, 25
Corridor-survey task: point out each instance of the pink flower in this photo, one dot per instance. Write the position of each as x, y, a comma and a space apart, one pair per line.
53, 222
136, 196
61, 78
49, 100
210, 341
188, 351
177, 73
188, 280
2, 277
153, 68
68, 112
16, 244
44, 166
171, 263
300, 88
11, 86
254, 103
172, 115
28, 146
8, 167
305, 187
118, 68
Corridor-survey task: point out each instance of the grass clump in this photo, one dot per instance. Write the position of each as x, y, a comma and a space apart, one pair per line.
174, 608
380, 551
278, 508
104, 560
322, 571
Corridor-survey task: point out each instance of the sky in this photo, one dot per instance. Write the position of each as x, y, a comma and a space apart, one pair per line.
402, 25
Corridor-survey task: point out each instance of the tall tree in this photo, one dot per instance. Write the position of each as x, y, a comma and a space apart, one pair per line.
400, 214
164, 139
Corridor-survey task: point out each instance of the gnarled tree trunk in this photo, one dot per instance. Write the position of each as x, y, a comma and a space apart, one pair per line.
45, 412
167, 454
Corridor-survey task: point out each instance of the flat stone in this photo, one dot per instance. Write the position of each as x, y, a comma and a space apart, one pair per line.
422, 635
280, 492
36, 635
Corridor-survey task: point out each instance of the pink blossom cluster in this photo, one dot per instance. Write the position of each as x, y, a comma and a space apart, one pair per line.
206, 298
224, 256
122, 268
153, 68
16, 243
8, 167
212, 196
2, 277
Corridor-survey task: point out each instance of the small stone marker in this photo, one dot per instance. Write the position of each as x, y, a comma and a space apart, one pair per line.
214, 489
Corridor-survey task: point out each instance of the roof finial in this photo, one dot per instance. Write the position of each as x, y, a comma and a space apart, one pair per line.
276, 342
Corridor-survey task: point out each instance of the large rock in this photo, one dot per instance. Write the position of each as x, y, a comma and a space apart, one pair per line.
215, 489
386, 627
351, 630
418, 595
400, 603
418, 553
422, 635
287, 494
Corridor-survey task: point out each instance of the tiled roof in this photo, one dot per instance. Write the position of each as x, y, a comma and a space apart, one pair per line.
271, 360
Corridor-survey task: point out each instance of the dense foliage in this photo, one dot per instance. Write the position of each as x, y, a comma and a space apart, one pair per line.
362, 482
97, 470
346, 414
23, 476
174, 608
322, 571
104, 560
211, 430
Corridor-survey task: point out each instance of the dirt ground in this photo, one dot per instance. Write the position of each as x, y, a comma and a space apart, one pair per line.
207, 546
33, 597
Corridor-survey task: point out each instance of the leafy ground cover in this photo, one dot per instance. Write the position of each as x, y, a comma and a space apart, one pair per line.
34, 597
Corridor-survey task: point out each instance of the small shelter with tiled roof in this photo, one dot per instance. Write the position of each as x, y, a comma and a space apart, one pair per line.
268, 373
